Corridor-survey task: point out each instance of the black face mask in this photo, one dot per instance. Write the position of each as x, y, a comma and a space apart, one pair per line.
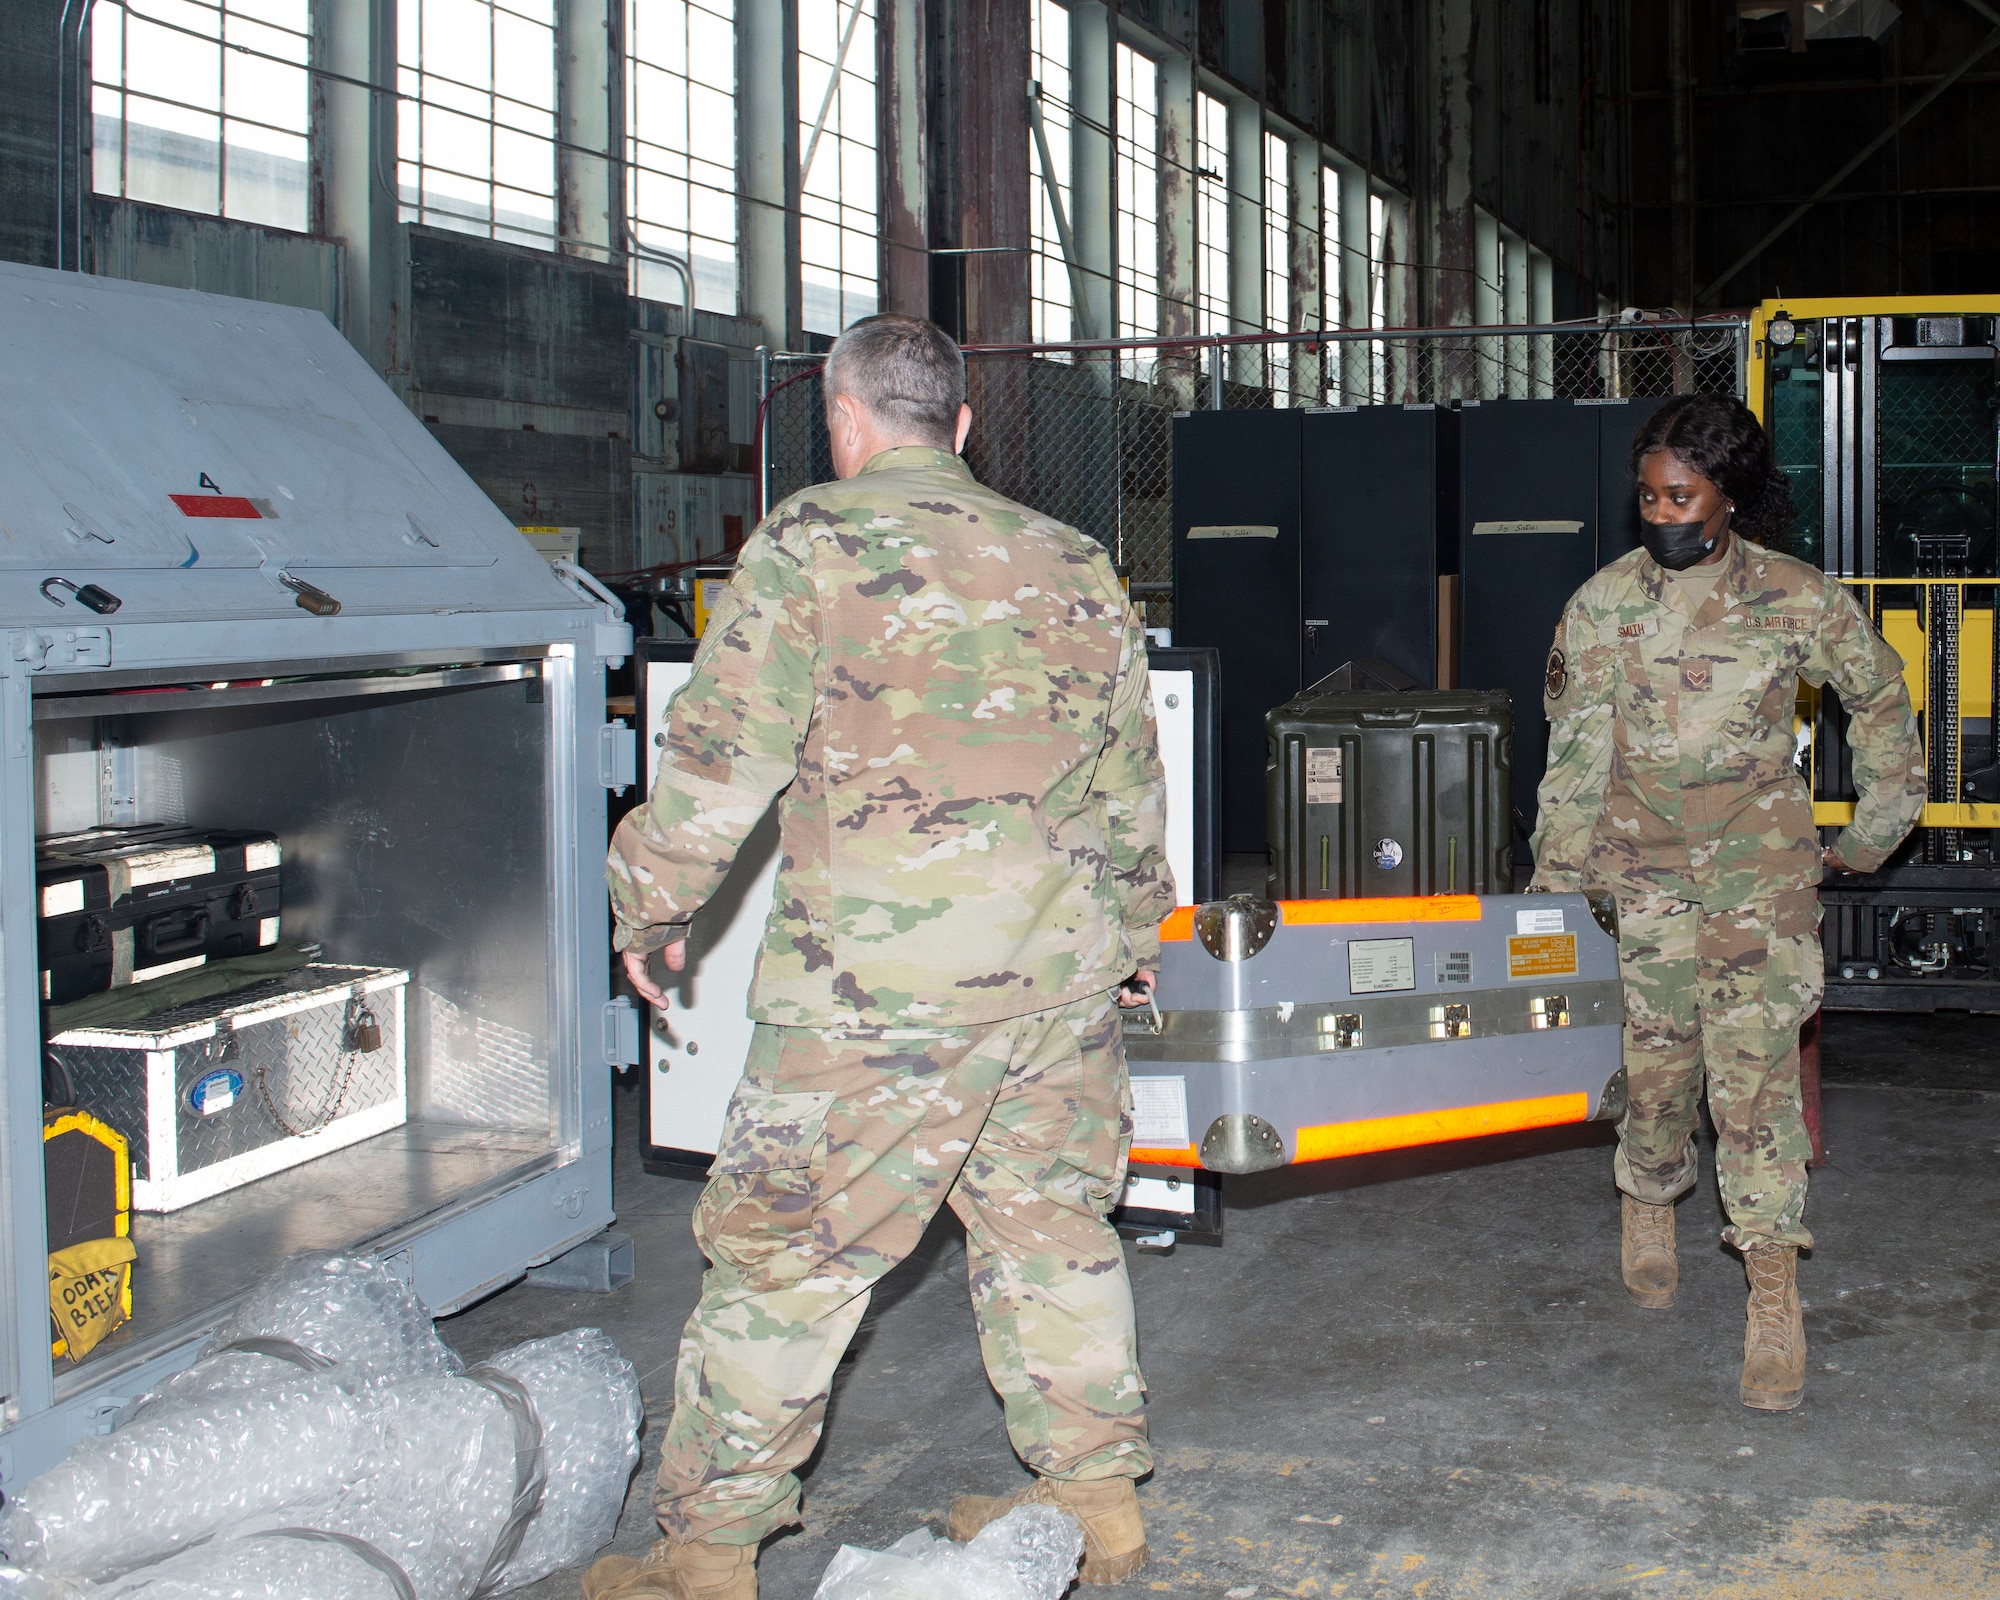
1679, 545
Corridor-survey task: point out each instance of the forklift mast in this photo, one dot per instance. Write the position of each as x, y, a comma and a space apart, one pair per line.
1885, 414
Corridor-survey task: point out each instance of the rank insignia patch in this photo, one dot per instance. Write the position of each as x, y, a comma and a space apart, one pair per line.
1558, 676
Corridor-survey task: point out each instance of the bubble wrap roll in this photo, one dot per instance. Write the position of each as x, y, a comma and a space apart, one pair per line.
318, 1311
295, 1564
143, 1491
586, 1397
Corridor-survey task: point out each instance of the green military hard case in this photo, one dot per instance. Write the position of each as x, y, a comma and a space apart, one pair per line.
1389, 792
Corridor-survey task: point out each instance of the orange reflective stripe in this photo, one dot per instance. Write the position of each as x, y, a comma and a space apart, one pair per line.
1179, 925
1382, 908
1334, 1139
1164, 1157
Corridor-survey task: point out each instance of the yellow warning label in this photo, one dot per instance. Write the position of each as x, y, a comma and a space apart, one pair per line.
1541, 955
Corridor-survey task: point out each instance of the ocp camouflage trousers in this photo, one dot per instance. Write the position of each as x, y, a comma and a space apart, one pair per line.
836, 1153
1719, 997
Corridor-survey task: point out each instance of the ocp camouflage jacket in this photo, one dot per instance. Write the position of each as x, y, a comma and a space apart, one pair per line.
949, 691
1671, 747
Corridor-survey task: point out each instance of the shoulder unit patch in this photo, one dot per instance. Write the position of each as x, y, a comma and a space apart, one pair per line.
1558, 675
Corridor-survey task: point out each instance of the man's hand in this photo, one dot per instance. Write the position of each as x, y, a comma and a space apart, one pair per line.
674, 956
1137, 990
1830, 858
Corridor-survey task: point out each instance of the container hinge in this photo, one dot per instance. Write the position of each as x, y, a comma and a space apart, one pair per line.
621, 1033
43, 648
617, 756
611, 641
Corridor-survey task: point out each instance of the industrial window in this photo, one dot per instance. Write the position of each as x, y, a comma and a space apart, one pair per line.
179, 118
476, 130
1211, 214
1381, 258
1050, 311
1332, 243
1138, 144
839, 259
1388, 293
1278, 261
680, 146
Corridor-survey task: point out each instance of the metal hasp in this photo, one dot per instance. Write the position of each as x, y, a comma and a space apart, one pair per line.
1886, 416
243, 587
1302, 1030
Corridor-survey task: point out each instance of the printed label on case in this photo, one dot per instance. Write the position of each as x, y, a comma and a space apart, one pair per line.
1159, 1113
1454, 966
1377, 966
1539, 921
1323, 777
1259, 530
1541, 955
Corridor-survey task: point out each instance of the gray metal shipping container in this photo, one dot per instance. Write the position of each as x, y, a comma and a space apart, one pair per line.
323, 628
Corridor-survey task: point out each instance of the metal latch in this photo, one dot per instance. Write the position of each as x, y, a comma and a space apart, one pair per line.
621, 1033
43, 648
617, 756
611, 634
1548, 1011
1451, 1022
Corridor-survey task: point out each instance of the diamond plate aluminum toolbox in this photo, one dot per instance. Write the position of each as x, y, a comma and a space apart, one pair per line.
122, 905
1300, 1030
220, 1092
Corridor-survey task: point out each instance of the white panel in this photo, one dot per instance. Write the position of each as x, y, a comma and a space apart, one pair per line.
1173, 706
698, 1048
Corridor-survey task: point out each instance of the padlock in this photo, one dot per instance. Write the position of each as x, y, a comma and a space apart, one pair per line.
364, 1034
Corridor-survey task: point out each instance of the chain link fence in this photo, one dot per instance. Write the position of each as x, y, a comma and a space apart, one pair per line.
1084, 432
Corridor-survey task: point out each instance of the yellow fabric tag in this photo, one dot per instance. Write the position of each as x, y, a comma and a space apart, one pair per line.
87, 1291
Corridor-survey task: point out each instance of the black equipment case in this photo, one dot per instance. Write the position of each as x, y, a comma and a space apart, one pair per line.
121, 905
1389, 792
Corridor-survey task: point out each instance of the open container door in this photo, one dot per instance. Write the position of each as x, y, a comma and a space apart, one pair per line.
245, 594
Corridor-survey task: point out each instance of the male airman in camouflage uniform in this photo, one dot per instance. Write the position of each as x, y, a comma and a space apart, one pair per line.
1671, 782
949, 691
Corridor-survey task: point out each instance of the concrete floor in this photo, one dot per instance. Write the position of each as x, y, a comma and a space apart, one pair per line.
1417, 1375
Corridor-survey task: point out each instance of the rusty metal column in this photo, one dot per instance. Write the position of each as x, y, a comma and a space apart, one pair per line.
590, 96
900, 70
1176, 222
1445, 228
1680, 98
1093, 215
354, 162
767, 143
988, 74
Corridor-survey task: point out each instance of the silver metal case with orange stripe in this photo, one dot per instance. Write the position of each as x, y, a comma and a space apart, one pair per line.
1306, 1029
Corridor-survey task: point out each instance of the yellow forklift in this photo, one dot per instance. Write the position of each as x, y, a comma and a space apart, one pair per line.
1885, 414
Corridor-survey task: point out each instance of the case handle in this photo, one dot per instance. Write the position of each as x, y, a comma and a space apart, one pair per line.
154, 941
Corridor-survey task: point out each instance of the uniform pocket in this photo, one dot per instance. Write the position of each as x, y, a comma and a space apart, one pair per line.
1795, 912
756, 1213
1795, 975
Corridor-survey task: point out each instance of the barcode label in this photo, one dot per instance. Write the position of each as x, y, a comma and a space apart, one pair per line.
1323, 777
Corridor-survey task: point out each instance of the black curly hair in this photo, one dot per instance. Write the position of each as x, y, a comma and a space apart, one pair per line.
1721, 439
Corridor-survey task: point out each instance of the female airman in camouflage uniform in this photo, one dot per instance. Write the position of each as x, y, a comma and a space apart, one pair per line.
1672, 783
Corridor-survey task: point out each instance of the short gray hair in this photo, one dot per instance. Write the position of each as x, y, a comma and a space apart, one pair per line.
908, 372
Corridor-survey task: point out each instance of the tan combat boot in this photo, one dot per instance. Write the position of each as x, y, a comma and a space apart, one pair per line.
1774, 1339
1114, 1539
1646, 1253
694, 1570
